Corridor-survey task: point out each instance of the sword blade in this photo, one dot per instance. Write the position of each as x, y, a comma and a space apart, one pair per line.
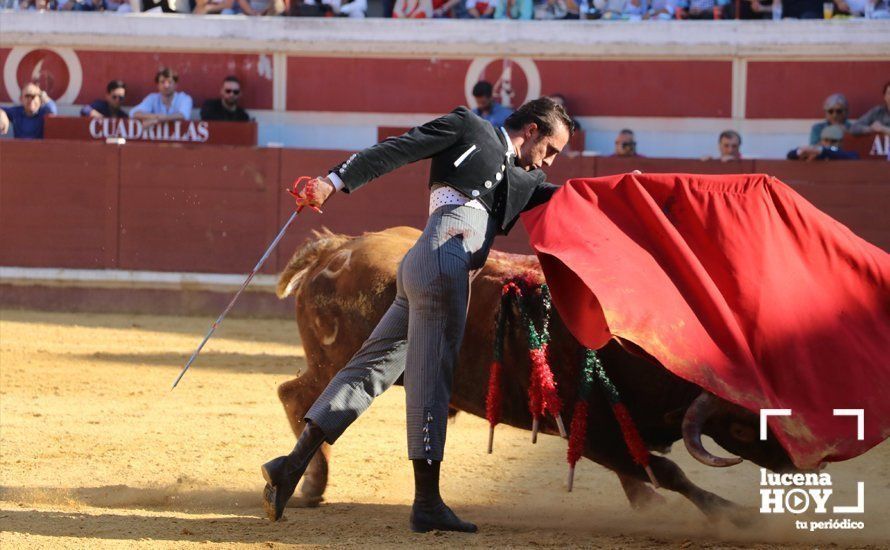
246, 282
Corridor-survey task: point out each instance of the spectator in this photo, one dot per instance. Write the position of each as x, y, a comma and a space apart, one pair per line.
730, 144
121, 6
514, 9
356, 9
661, 10
487, 107
851, 7
552, 9
828, 148
27, 118
412, 9
749, 9
308, 8
836, 109
81, 5
166, 103
226, 106
446, 8
36, 5
166, 6
625, 145
703, 9
619, 9
110, 107
208, 7
480, 9
261, 7
802, 9
877, 119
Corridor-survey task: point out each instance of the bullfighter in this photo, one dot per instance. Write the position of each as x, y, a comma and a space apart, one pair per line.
481, 178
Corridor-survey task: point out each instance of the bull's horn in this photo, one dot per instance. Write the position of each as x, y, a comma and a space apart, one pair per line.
695, 417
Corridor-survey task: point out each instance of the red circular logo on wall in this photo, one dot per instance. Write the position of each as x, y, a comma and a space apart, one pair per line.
47, 69
509, 81
515, 80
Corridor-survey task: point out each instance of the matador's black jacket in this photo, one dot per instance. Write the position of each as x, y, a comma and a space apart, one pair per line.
468, 154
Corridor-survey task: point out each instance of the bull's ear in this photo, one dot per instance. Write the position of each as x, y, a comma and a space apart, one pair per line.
743, 432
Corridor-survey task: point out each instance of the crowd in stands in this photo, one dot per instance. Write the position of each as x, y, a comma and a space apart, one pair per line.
169, 104
825, 138
824, 142
633, 10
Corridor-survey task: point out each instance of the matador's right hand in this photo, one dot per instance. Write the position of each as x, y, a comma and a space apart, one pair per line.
314, 194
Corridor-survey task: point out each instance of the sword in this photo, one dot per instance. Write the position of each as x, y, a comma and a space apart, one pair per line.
246, 282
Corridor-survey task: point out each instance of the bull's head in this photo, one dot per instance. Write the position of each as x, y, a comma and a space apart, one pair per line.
734, 428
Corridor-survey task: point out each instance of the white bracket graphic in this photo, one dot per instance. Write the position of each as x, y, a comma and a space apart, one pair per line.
860, 420
860, 502
764, 413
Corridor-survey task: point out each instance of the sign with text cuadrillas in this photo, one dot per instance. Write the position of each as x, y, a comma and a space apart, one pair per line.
177, 131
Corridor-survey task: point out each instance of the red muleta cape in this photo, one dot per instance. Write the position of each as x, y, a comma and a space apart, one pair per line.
735, 283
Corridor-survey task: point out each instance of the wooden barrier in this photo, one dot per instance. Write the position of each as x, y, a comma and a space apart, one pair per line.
180, 131
58, 204
869, 146
190, 208
215, 209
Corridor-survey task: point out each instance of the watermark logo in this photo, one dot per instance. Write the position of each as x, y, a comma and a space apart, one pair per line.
809, 492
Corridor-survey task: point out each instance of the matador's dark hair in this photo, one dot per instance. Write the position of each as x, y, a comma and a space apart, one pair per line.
544, 112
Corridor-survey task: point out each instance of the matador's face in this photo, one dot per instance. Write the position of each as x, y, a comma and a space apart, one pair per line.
538, 150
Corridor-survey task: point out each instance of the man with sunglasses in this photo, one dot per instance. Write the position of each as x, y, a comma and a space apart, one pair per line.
27, 118
625, 145
110, 107
226, 108
836, 110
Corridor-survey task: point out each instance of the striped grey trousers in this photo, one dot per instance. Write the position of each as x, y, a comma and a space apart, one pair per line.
420, 334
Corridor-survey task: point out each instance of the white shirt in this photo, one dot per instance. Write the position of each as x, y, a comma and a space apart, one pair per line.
154, 104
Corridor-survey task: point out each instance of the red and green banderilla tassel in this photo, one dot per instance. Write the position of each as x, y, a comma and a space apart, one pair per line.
579, 417
635, 445
543, 397
494, 398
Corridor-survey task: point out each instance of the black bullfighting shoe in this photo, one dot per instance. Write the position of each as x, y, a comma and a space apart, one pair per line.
439, 518
281, 482
282, 474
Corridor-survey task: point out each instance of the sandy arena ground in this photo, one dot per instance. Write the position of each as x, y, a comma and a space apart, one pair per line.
96, 451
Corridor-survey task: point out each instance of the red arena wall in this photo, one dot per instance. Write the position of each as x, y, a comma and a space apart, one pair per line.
785, 89
594, 87
215, 208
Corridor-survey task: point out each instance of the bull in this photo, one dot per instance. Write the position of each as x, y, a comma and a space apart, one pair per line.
343, 285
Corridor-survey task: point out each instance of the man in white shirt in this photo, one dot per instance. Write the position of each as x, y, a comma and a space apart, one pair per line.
165, 104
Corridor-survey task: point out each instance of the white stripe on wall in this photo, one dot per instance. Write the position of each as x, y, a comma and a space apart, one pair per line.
117, 278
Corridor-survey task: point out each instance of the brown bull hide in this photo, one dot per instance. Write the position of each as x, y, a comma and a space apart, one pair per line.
344, 285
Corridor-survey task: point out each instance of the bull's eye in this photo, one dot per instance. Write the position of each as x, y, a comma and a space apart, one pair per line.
743, 432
